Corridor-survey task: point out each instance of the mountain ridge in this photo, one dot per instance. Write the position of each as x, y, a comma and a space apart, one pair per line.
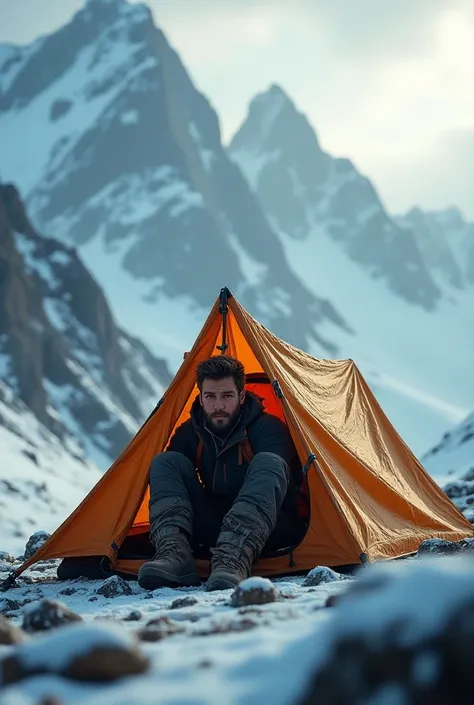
60, 346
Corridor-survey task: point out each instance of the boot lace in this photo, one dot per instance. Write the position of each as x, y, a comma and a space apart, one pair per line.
235, 561
167, 548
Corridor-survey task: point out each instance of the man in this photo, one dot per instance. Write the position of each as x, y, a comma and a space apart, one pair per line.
206, 489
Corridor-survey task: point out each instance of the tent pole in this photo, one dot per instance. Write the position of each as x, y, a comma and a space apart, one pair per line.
223, 310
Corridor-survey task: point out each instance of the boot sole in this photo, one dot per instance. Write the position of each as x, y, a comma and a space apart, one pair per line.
150, 579
220, 584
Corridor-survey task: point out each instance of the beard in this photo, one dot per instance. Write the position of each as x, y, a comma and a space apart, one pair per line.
223, 424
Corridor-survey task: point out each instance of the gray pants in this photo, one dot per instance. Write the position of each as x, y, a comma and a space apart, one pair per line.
178, 499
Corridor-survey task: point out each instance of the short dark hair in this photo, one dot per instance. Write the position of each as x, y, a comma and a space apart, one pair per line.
220, 367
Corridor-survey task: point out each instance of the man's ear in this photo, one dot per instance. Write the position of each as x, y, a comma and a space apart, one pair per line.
200, 398
242, 396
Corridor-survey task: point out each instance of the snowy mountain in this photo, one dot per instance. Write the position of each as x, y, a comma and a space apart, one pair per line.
446, 242
42, 477
300, 186
61, 351
374, 268
451, 463
120, 154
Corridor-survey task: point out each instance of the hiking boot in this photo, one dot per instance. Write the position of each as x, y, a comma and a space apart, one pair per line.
229, 566
172, 565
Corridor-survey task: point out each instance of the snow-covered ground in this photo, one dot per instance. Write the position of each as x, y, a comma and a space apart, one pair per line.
42, 478
205, 650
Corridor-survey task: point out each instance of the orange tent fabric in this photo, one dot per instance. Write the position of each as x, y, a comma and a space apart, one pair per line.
370, 498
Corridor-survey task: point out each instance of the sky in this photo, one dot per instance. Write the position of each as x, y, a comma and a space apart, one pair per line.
388, 84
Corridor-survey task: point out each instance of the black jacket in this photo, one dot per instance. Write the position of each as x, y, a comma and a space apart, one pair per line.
223, 469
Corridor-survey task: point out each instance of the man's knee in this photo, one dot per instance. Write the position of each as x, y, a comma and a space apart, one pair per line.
274, 465
170, 462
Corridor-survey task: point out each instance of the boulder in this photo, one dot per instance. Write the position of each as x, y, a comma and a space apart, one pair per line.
254, 591
46, 614
35, 542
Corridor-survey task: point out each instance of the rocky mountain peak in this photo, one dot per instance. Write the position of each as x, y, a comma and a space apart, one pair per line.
446, 241
304, 190
27, 72
274, 99
274, 122
130, 167
61, 351
14, 210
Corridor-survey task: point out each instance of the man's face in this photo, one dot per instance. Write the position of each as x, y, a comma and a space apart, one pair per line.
221, 403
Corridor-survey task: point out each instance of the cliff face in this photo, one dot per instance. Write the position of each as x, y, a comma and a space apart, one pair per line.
60, 347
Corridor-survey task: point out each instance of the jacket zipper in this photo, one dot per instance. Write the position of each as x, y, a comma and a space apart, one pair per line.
218, 453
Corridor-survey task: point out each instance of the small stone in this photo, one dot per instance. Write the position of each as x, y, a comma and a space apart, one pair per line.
9, 633
35, 542
133, 616
159, 628
46, 614
90, 652
188, 601
320, 575
107, 663
205, 663
115, 586
254, 591
332, 600
50, 700
68, 591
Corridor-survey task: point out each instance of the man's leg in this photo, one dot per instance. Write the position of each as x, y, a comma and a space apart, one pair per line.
176, 497
250, 521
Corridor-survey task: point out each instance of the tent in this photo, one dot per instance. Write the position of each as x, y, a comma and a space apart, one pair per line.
368, 496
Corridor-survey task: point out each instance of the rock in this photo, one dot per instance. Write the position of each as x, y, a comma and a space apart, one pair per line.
254, 591
7, 557
50, 700
35, 542
9, 605
133, 616
439, 546
84, 652
188, 601
107, 663
46, 614
415, 644
467, 545
68, 591
332, 600
115, 586
205, 663
321, 574
9, 633
159, 628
